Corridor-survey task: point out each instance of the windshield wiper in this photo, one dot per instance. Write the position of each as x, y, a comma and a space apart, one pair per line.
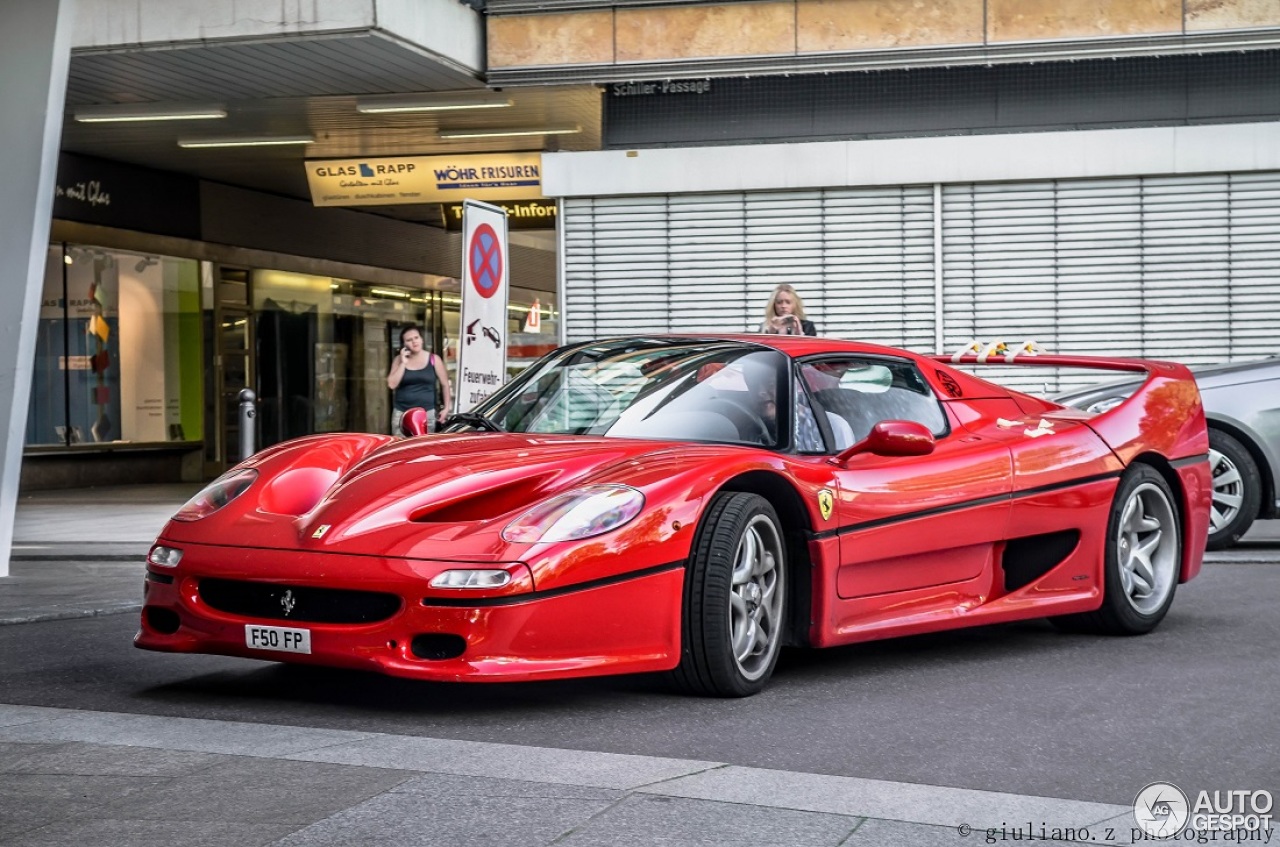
476, 419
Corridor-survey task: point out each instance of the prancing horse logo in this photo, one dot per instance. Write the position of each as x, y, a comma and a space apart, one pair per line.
288, 602
825, 503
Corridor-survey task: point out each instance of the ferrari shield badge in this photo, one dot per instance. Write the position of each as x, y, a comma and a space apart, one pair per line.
825, 501
319, 533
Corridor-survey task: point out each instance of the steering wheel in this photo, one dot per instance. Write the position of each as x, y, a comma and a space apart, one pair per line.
751, 427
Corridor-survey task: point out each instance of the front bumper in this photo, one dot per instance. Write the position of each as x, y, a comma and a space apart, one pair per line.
630, 624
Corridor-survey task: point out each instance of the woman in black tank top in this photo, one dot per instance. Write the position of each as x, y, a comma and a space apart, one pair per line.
413, 380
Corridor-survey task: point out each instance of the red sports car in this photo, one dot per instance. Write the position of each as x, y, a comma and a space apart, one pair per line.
691, 505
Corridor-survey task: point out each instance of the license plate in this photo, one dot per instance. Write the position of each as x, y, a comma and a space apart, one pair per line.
280, 638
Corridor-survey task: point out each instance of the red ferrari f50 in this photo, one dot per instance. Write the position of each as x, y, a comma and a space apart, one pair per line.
691, 505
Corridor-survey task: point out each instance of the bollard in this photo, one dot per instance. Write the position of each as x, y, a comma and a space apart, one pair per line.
247, 414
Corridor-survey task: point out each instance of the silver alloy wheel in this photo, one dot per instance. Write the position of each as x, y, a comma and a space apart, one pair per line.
756, 597
1228, 490
1147, 548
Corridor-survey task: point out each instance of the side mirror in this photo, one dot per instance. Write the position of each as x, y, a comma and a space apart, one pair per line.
414, 422
891, 438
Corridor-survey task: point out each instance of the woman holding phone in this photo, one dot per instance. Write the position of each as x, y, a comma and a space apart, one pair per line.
414, 378
784, 315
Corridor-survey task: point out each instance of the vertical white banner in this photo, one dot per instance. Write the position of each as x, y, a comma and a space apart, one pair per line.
482, 347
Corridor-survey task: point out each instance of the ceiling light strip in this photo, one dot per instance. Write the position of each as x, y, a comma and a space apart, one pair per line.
392, 105
506, 133
134, 112
264, 141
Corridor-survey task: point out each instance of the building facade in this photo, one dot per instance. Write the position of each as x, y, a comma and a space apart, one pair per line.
1098, 176
176, 276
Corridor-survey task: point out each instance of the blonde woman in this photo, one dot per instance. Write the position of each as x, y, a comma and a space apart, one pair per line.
785, 314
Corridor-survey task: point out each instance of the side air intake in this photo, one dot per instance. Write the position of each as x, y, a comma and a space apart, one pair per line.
1027, 559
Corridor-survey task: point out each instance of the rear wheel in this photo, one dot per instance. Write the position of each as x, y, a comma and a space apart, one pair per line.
734, 599
1237, 490
1143, 558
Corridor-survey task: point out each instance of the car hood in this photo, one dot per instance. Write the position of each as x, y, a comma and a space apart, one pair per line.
435, 497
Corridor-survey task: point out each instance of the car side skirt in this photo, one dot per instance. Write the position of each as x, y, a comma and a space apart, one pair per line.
1074, 584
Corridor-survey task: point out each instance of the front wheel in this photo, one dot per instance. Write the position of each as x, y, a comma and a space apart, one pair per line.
734, 599
1143, 558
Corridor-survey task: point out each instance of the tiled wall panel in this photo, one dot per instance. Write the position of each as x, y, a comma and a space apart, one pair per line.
838, 25
1034, 20
697, 32
569, 39
781, 28
1231, 14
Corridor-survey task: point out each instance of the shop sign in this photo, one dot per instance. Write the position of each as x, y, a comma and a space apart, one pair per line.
660, 88
424, 179
97, 191
526, 214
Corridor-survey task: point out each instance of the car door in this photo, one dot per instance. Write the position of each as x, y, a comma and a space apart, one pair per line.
917, 533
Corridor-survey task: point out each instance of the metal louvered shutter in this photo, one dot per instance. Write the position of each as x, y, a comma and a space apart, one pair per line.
862, 260
1183, 268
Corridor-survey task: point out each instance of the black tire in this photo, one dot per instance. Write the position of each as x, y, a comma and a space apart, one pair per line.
1136, 597
1237, 490
719, 614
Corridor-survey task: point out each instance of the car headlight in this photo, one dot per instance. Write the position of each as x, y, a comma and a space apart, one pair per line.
1106, 405
165, 557
217, 494
582, 513
472, 578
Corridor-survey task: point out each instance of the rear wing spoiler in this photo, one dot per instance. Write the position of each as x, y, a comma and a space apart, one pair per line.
1164, 413
1105, 363
1030, 353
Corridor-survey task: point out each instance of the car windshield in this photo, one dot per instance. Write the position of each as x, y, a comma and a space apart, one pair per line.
688, 391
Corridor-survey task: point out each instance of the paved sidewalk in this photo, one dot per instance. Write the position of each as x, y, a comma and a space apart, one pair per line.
76, 777
82, 553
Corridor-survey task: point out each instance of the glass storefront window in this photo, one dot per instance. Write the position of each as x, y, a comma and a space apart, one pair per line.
325, 346
531, 337
528, 340
118, 350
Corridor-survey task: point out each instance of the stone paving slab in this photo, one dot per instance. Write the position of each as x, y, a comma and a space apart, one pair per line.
506, 761
193, 734
396, 819
898, 801
151, 833
43, 591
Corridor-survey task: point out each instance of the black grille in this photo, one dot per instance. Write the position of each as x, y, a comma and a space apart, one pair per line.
297, 603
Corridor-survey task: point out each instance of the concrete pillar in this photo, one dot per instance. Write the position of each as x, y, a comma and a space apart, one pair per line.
35, 50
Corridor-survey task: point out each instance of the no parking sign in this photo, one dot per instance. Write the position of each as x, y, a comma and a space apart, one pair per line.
482, 348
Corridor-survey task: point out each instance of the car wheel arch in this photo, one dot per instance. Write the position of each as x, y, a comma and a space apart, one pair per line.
797, 529
1162, 466
1267, 508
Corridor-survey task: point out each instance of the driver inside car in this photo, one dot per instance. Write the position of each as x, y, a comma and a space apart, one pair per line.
762, 395
762, 390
